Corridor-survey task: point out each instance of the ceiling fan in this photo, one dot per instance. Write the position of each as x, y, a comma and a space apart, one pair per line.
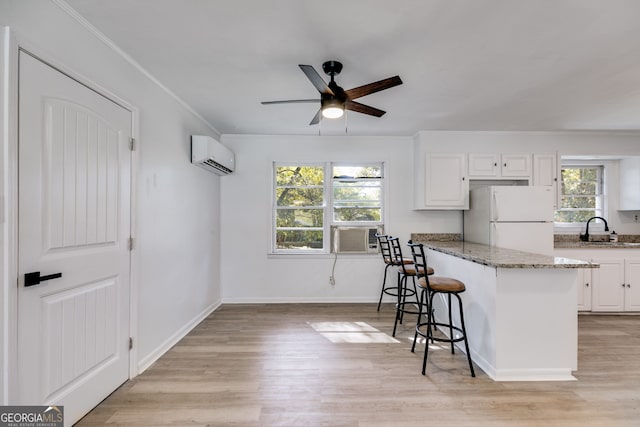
333, 99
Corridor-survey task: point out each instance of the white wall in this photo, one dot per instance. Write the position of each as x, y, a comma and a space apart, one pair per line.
250, 274
177, 217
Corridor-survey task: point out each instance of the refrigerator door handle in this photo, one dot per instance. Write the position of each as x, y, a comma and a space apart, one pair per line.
496, 216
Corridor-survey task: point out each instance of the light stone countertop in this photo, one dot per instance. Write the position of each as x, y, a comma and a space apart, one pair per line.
596, 245
503, 258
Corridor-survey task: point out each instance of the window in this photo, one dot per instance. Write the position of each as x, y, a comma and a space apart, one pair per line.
357, 194
582, 193
299, 207
307, 203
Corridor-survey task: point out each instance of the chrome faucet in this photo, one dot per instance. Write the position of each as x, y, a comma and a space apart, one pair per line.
585, 237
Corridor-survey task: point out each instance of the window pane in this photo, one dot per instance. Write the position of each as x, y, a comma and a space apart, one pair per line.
357, 214
356, 193
574, 216
579, 188
299, 239
357, 172
299, 175
299, 196
299, 218
579, 202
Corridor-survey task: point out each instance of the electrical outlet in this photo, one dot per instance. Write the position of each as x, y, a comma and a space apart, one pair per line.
332, 280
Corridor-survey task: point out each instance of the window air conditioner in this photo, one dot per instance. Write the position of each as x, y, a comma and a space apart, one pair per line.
354, 240
211, 155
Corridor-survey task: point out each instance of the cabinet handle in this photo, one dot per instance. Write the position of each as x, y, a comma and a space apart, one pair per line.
495, 164
623, 285
463, 178
505, 165
628, 285
587, 285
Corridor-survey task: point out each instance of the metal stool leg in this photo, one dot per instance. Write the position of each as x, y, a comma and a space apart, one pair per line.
464, 332
384, 282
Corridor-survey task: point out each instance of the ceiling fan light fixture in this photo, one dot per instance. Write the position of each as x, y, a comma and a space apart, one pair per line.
332, 109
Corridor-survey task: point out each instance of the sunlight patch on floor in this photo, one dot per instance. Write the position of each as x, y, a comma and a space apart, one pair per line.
351, 332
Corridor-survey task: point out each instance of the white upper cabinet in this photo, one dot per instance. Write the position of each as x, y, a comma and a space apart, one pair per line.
545, 173
446, 185
629, 183
492, 166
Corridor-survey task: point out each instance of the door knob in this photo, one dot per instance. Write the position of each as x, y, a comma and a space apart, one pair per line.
32, 279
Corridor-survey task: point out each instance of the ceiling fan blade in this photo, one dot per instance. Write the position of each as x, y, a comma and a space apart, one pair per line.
315, 78
316, 118
290, 101
367, 89
364, 109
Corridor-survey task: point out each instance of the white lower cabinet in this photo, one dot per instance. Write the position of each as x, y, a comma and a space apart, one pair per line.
614, 287
608, 285
584, 289
632, 282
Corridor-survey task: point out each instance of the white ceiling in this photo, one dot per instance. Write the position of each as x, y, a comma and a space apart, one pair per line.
538, 65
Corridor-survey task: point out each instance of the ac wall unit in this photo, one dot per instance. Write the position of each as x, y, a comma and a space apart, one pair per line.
356, 240
211, 155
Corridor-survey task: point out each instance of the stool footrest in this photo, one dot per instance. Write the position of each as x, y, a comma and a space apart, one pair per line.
444, 325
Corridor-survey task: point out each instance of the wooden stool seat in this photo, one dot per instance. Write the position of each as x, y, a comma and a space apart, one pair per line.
442, 284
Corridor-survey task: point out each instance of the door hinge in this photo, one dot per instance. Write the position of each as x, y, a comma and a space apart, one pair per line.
132, 144
130, 243
130, 343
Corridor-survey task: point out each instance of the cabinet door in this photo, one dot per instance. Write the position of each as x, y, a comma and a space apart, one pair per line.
515, 165
483, 165
446, 183
632, 281
584, 289
629, 180
608, 286
545, 172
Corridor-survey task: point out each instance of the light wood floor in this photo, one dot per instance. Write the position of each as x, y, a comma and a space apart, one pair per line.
335, 365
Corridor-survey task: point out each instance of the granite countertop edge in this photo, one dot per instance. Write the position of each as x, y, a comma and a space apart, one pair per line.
595, 245
503, 258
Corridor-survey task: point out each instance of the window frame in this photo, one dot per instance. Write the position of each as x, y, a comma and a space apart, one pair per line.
328, 202
603, 196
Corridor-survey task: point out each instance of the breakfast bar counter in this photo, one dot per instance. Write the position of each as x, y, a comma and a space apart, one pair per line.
503, 258
520, 308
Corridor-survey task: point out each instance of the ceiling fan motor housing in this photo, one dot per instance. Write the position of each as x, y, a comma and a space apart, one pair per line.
332, 68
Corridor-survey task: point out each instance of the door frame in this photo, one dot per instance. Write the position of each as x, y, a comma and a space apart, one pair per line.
11, 47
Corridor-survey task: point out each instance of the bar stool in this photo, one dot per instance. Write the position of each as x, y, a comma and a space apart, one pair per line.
404, 272
429, 288
389, 260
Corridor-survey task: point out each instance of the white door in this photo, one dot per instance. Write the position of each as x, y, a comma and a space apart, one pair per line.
74, 216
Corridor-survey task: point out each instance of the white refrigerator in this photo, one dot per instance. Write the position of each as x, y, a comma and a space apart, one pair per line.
512, 217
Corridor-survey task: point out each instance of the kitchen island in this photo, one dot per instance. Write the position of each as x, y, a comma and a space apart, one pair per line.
520, 308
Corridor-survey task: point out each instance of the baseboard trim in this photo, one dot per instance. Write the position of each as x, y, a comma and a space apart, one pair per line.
150, 359
302, 300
